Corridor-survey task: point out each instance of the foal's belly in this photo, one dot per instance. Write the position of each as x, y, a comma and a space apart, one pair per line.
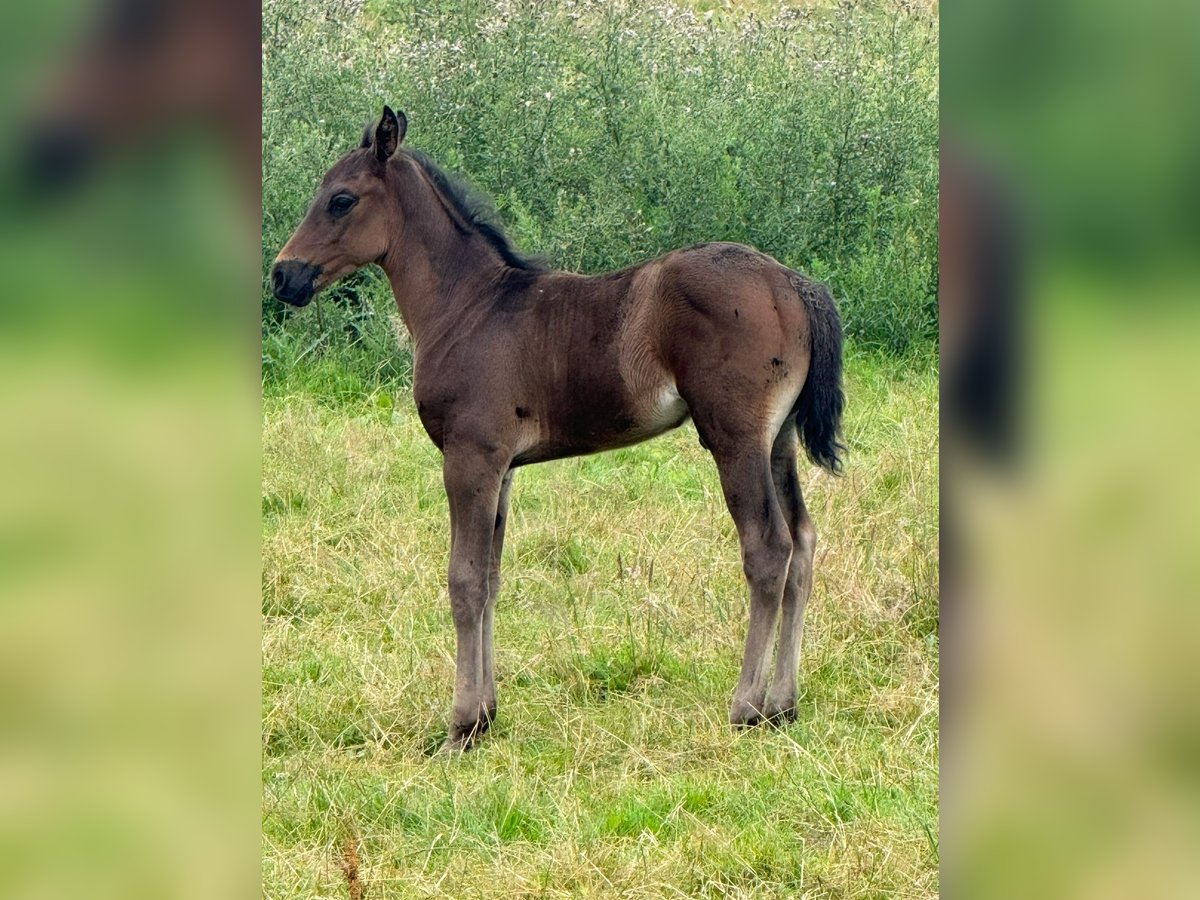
585, 428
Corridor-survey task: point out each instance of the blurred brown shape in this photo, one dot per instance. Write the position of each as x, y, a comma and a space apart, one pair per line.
148, 69
981, 315
982, 360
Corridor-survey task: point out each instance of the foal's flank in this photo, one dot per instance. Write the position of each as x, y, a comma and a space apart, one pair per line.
516, 363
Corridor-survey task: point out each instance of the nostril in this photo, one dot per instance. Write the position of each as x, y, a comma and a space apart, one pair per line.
292, 281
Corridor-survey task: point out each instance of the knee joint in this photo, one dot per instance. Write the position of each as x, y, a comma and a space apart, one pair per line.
468, 593
768, 559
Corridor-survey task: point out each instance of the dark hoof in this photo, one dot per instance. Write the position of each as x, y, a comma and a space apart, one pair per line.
463, 737
744, 715
453, 746
780, 717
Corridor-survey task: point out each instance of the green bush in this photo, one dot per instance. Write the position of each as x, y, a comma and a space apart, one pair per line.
609, 132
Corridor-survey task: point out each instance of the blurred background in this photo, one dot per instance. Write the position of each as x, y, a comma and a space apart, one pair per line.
129, 369
1069, 377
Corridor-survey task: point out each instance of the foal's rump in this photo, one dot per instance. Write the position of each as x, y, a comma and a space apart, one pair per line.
751, 345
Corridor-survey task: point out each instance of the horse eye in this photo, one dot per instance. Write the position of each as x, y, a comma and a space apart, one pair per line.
342, 204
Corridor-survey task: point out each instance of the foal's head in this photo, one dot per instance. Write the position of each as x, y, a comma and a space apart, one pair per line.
349, 222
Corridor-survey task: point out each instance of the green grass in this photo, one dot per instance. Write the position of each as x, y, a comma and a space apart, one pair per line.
611, 770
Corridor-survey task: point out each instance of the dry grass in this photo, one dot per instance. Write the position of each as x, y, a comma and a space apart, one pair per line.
611, 770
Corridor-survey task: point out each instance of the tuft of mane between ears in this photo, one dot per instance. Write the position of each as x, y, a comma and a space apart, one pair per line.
368, 132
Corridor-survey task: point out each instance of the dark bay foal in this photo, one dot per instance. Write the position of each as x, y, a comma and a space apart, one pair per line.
516, 364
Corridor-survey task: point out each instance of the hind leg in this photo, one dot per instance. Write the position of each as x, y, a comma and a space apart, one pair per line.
781, 699
766, 549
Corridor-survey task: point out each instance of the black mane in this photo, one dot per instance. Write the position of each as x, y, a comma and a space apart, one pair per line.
477, 210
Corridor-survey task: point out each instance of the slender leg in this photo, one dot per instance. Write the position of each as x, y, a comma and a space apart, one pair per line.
781, 698
489, 675
766, 550
473, 483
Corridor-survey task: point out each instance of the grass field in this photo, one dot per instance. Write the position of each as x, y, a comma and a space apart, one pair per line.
611, 770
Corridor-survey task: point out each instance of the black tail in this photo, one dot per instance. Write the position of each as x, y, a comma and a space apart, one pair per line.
820, 404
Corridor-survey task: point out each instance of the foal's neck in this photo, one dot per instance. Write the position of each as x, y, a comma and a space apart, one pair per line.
438, 264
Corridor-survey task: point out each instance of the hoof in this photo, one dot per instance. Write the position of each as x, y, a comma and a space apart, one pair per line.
779, 709
744, 715
462, 737
780, 715
453, 746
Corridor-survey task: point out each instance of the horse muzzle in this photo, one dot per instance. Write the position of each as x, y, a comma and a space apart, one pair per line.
292, 281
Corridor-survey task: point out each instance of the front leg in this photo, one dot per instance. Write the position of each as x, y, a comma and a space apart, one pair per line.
473, 480
489, 675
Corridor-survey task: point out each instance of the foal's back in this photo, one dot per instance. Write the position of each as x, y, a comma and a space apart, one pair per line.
606, 361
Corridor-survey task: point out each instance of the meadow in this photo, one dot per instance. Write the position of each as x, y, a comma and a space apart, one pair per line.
611, 770
606, 132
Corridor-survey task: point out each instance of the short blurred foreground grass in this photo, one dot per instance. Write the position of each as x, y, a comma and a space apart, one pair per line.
611, 770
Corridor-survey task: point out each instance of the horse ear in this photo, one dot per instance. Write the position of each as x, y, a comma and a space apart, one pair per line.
368, 130
389, 133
